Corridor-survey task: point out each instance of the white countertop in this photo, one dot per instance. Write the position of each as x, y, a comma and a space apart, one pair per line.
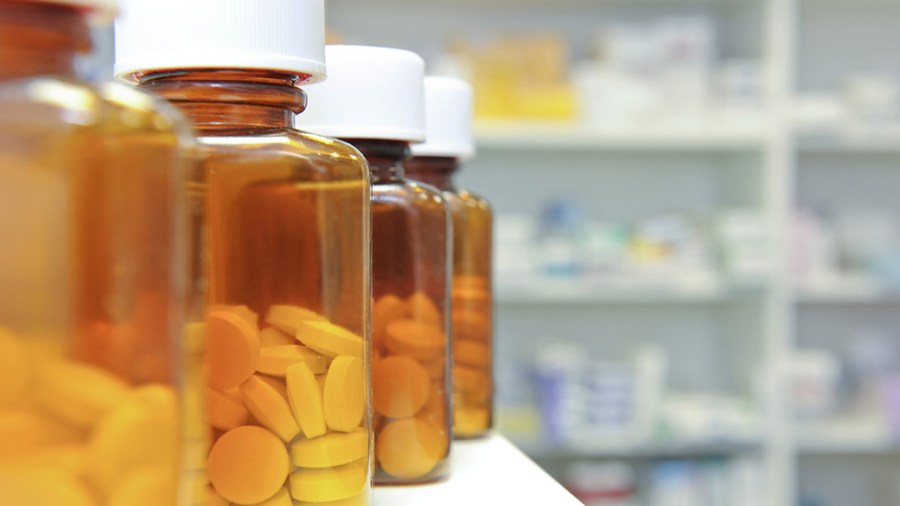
488, 472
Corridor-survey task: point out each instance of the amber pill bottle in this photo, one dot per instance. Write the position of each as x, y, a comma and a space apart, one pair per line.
374, 99
283, 220
448, 113
92, 261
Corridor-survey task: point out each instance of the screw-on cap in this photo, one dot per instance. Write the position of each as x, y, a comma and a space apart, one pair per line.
371, 93
448, 119
279, 35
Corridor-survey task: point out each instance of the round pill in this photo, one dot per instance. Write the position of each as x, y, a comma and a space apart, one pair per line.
271, 336
148, 486
248, 465
471, 353
330, 339
225, 411
436, 368
470, 325
466, 379
289, 318
468, 281
387, 309
331, 450
269, 407
422, 309
232, 350
305, 399
410, 448
400, 386
274, 360
344, 396
416, 339
214, 499
470, 421
15, 369
333, 484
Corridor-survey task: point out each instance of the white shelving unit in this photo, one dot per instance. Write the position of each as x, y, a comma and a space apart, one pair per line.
486, 472
772, 166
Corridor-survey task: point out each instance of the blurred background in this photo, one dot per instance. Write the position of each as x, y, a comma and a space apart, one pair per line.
697, 241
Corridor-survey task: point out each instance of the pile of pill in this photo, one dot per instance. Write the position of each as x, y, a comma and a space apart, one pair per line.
471, 328
287, 406
74, 434
409, 382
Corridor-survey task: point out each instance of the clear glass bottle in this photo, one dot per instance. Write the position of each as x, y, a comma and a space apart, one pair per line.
449, 131
285, 223
410, 254
92, 270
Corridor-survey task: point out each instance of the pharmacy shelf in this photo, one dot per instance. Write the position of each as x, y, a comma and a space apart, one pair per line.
646, 451
538, 291
484, 473
848, 436
871, 142
849, 292
507, 135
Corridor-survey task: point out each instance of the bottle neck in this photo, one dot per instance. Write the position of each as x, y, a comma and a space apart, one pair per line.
438, 171
38, 39
228, 99
385, 158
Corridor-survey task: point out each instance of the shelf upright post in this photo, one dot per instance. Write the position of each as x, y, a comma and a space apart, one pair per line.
779, 36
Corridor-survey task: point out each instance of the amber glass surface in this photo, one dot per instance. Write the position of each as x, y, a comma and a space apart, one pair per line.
471, 299
410, 255
283, 217
92, 268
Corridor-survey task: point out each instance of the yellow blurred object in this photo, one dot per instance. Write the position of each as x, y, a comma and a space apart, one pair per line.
520, 77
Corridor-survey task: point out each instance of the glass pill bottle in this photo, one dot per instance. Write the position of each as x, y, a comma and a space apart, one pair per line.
283, 218
373, 99
448, 113
92, 262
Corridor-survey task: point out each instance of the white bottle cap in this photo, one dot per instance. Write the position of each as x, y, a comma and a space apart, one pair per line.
448, 119
371, 93
279, 35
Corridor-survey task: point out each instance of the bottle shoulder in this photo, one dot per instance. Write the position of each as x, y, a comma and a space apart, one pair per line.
471, 200
272, 145
412, 194
71, 102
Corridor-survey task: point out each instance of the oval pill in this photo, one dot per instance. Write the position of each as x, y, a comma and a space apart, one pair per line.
416, 339
271, 336
305, 399
270, 408
289, 318
344, 396
330, 339
274, 360
320, 485
330, 450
